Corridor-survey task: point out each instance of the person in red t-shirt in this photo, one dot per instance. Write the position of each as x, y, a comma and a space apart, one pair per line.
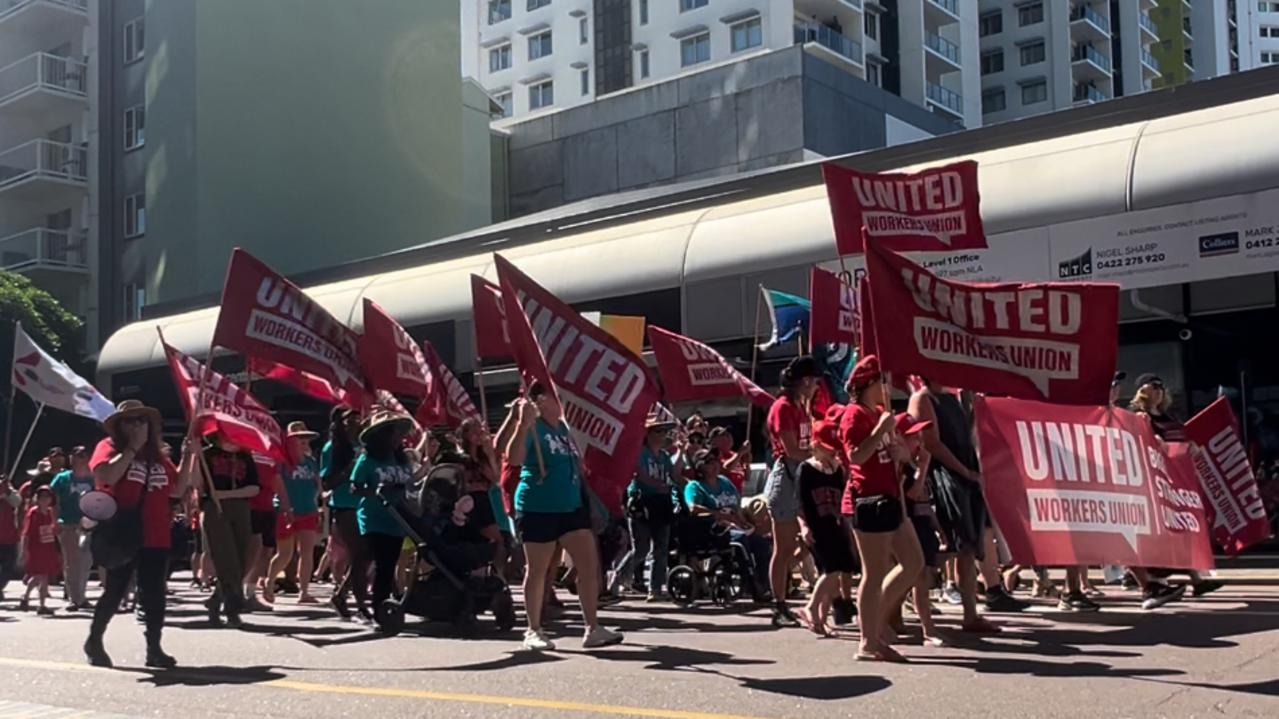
40, 549
10, 501
130, 465
736, 464
789, 433
874, 499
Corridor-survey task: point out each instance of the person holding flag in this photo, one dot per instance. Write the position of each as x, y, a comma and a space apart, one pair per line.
790, 433
551, 511
233, 481
650, 507
337, 459
297, 501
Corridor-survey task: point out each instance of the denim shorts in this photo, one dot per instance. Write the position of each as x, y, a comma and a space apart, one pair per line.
781, 490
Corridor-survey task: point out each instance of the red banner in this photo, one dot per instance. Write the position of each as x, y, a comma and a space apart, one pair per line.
1071, 485
390, 357
934, 209
305, 382
226, 407
1235, 510
692, 371
606, 391
1053, 341
449, 403
492, 338
834, 309
265, 315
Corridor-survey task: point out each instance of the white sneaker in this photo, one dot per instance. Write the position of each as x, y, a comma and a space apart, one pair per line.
601, 637
536, 641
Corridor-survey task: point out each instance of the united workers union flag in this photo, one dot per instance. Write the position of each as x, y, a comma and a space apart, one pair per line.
789, 314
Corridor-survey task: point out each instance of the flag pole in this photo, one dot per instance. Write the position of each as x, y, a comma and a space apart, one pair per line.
750, 407
22, 449
13, 388
195, 416
479, 385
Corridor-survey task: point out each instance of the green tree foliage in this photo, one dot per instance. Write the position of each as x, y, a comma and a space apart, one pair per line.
43, 318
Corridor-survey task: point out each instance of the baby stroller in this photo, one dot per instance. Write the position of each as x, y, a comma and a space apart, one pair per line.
460, 583
706, 564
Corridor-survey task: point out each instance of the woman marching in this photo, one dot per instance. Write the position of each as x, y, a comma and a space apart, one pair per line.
233, 480
337, 459
650, 509
297, 502
789, 433
551, 512
874, 496
130, 465
381, 473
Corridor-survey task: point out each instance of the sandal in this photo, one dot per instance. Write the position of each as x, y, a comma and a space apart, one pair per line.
883, 654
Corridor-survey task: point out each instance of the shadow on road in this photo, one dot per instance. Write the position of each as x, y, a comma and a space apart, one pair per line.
207, 676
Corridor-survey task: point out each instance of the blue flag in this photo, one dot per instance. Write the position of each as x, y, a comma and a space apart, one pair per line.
789, 314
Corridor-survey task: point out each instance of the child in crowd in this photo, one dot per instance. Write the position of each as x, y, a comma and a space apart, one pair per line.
40, 548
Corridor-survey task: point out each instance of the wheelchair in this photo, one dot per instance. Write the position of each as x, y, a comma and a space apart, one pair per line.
706, 564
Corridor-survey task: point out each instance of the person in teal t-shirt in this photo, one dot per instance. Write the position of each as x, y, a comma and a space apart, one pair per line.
383, 470
77, 559
650, 509
337, 459
550, 512
711, 494
297, 502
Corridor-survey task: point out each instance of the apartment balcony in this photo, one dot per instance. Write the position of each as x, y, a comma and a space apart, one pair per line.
50, 87
941, 12
827, 41
1086, 94
949, 102
1147, 27
43, 249
1088, 24
943, 54
1088, 62
43, 170
43, 23
1149, 64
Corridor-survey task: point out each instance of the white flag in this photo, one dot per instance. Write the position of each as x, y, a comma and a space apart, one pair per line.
50, 382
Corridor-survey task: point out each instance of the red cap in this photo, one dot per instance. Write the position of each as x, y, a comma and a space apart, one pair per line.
866, 371
826, 433
907, 425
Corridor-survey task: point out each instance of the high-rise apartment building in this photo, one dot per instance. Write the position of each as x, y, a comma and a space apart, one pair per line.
48, 144
1042, 56
1262, 43
538, 55
1203, 39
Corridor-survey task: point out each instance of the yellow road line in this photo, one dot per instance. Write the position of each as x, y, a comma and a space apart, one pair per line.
486, 699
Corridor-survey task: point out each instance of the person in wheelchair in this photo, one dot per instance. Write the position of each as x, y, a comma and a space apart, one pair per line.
715, 509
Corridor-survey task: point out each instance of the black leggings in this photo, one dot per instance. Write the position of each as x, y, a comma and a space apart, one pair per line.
357, 556
385, 549
8, 564
152, 566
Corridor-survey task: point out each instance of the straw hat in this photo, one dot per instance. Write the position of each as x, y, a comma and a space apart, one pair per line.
133, 408
384, 420
299, 429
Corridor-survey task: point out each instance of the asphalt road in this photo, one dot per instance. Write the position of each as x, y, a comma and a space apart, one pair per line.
1216, 656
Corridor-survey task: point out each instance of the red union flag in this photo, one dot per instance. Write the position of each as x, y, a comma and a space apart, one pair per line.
307, 383
1235, 510
1071, 485
606, 391
492, 338
934, 209
1052, 341
449, 403
226, 407
691, 371
834, 311
390, 357
265, 315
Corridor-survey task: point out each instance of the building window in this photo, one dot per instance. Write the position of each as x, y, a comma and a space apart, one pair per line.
583, 32
541, 95
643, 12
872, 25
1031, 54
993, 100
992, 61
586, 82
1034, 92
1189, 58
693, 50
746, 35
1268, 6
1185, 25
1270, 58
504, 99
1270, 30
499, 10
135, 125
875, 74
135, 298
643, 64
500, 58
135, 215
135, 40
539, 45
535, 4
991, 23
1030, 14
686, 5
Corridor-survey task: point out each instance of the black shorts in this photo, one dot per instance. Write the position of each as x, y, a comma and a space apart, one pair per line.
547, 527
927, 539
263, 523
877, 514
832, 551
961, 511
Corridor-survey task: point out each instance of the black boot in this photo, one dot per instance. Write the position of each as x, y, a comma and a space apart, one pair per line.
214, 605
156, 658
96, 653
